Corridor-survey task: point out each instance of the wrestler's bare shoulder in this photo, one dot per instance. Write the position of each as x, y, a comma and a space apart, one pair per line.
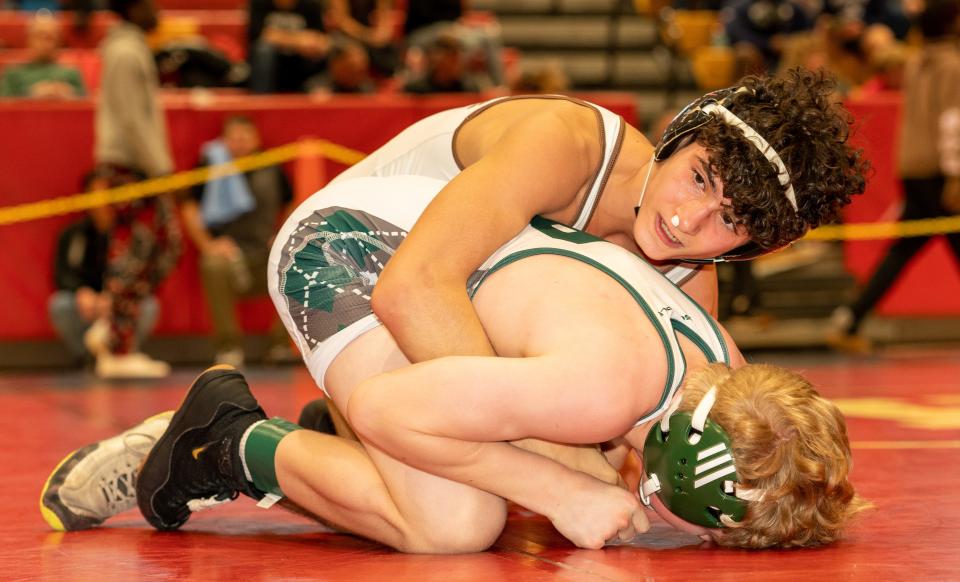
539, 120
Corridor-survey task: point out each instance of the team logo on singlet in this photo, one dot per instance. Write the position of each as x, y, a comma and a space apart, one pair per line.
329, 267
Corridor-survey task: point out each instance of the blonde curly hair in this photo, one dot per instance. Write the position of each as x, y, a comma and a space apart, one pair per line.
791, 451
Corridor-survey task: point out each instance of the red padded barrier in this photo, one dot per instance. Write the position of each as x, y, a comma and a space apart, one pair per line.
930, 285
47, 147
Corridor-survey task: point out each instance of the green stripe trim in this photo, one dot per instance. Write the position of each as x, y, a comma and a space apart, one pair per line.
695, 338
713, 325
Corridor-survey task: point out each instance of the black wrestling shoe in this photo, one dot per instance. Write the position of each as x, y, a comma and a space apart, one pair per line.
315, 415
196, 463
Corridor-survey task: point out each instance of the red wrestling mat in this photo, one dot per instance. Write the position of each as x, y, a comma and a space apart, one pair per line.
904, 418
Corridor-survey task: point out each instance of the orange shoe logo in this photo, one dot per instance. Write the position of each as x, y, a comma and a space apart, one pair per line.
196, 451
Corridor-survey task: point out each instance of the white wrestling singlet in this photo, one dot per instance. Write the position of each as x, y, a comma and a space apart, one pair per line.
329, 253
426, 148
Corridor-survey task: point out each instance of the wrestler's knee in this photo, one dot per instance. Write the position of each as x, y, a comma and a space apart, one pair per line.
473, 526
369, 413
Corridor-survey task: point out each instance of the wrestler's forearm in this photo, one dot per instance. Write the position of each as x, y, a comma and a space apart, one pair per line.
431, 323
528, 479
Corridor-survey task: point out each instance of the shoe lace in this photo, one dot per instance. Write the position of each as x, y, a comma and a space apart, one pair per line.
119, 488
212, 489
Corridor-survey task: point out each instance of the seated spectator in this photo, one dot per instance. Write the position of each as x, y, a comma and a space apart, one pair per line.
756, 31
444, 69
373, 25
80, 273
423, 14
231, 220
859, 15
547, 78
480, 38
41, 77
287, 44
348, 70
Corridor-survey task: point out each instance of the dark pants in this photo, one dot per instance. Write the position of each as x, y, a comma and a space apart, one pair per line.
225, 282
923, 200
272, 71
144, 248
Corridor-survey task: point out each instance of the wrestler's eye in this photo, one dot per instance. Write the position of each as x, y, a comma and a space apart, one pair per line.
699, 180
727, 219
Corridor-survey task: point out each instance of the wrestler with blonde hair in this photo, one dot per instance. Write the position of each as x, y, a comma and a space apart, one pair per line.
791, 453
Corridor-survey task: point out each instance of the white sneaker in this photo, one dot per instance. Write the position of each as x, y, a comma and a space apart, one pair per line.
840, 319
96, 337
98, 481
134, 365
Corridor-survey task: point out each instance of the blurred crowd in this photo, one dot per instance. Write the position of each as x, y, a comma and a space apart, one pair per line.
109, 264
864, 43
296, 46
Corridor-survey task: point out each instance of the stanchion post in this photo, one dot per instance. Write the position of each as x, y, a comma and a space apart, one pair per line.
309, 170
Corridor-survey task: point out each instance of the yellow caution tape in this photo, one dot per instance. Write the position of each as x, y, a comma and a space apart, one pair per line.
883, 230
155, 186
338, 153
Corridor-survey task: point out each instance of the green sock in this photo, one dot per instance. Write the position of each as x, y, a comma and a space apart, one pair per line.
258, 451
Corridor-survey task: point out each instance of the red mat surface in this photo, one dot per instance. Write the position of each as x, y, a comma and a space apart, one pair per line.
904, 418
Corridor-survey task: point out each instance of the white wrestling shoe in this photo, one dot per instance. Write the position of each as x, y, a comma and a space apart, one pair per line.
98, 481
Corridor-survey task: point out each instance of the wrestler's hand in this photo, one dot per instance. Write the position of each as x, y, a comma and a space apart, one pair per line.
594, 513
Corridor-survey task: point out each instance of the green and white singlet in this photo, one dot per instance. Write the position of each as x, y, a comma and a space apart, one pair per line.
327, 257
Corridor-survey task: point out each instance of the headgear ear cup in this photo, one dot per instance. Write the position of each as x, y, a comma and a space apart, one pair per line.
692, 464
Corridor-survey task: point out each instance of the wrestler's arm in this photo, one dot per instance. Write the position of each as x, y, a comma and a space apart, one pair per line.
448, 417
537, 167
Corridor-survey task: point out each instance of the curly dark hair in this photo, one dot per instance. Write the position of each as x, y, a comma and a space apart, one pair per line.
800, 117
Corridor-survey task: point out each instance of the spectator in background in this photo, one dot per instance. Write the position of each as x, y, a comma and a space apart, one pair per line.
348, 70
41, 77
231, 220
859, 15
480, 38
886, 66
444, 69
928, 159
287, 44
372, 23
757, 30
422, 14
80, 271
546, 78
131, 144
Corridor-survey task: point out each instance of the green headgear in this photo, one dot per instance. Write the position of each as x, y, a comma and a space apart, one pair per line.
689, 465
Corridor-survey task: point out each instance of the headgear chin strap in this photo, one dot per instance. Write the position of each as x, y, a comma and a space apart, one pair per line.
689, 465
696, 115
